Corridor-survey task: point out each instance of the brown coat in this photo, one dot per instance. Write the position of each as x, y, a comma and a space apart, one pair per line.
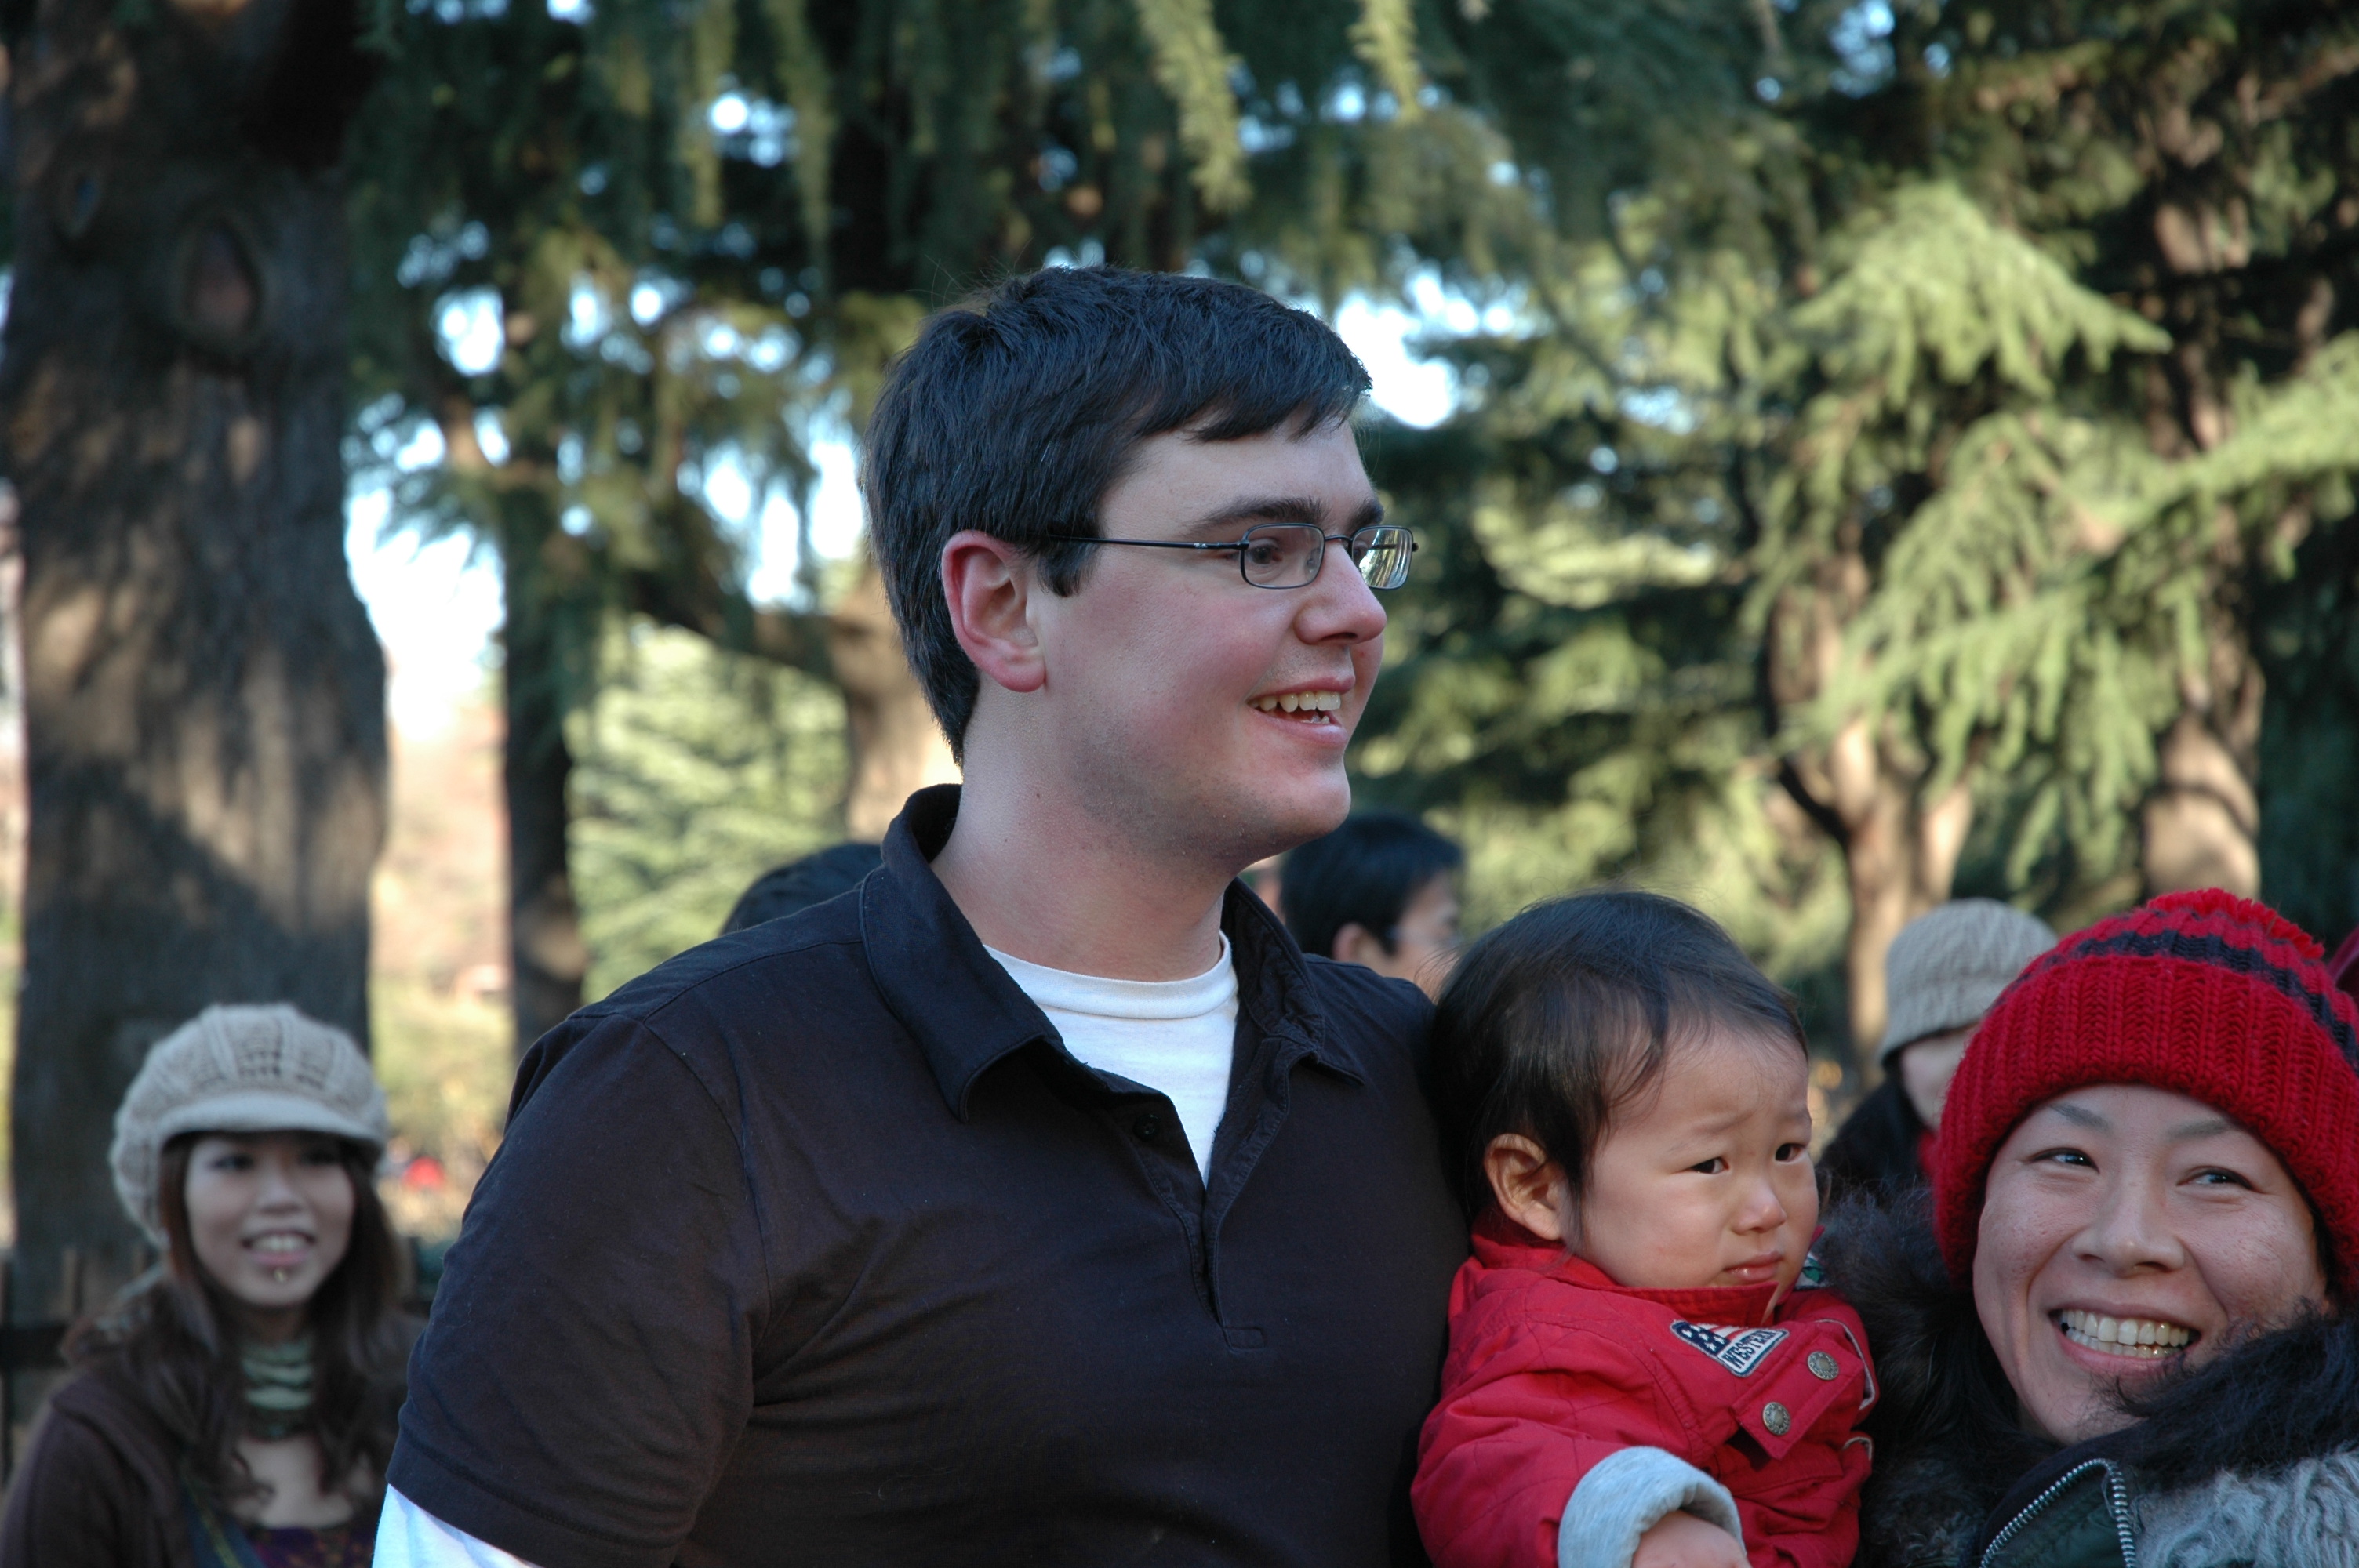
100, 1487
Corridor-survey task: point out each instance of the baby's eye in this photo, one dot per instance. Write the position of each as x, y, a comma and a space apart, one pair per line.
1711, 1167
1790, 1151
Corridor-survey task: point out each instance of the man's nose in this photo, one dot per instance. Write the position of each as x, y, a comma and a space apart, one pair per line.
1338, 605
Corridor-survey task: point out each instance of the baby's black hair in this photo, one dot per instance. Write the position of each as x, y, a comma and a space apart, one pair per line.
1563, 1015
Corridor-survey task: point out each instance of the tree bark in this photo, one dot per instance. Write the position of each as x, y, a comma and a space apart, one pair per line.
896, 748
547, 957
204, 696
2201, 826
1900, 844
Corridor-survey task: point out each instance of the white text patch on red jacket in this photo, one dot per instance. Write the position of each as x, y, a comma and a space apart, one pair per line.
1738, 1349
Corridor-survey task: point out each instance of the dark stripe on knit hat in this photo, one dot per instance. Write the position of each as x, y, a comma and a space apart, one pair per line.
2209, 947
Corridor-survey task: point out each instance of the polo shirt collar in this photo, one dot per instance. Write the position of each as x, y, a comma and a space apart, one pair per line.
965, 1011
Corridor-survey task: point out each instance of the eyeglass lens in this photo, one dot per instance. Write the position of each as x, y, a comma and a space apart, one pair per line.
1287, 555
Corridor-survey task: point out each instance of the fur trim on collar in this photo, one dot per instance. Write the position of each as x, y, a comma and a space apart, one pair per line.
2303, 1516
2283, 1398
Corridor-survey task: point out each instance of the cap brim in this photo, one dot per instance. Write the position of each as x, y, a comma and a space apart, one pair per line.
264, 1111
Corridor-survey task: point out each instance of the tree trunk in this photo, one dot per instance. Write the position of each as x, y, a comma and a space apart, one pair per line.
204, 696
1899, 858
2200, 827
1900, 854
547, 957
896, 747
1900, 846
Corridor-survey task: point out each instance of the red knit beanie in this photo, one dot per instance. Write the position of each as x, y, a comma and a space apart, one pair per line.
2205, 994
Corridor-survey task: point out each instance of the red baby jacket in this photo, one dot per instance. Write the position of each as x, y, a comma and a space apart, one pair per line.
1552, 1367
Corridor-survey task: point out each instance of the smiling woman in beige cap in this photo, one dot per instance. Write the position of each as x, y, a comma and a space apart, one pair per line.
235, 1405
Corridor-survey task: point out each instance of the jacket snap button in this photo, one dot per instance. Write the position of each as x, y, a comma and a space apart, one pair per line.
1776, 1418
1147, 1127
1822, 1366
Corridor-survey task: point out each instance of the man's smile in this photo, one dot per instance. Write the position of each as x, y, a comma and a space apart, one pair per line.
1303, 707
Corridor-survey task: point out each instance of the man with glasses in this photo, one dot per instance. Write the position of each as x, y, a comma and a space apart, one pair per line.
1037, 1201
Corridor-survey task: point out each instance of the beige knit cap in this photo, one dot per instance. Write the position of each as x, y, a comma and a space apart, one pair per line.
1946, 968
241, 1070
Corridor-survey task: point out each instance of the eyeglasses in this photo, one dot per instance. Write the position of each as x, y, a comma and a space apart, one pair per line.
1288, 555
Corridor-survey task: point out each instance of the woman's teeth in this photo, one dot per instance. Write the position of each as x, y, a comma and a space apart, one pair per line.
280, 1242
1301, 702
2142, 1336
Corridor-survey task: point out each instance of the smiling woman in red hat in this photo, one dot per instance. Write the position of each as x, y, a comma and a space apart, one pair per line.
2115, 1335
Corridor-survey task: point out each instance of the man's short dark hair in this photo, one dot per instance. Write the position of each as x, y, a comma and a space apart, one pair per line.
1364, 873
1015, 411
1554, 1020
796, 885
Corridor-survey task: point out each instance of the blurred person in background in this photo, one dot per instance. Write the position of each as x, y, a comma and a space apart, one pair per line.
1940, 975
1380, 891
794, 887
235, 1405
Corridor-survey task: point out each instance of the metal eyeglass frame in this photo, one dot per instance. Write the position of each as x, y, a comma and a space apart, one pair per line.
1242, 540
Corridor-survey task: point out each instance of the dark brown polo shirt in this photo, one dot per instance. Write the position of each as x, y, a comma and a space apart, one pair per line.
815, 1246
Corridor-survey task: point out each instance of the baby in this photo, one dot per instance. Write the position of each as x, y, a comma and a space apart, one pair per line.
1642, 1369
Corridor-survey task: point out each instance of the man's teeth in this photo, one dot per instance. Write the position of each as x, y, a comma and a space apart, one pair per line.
2125, 1336
1301, 702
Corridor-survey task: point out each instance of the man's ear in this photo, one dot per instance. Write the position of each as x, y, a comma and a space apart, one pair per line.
989, 584
1530, 1185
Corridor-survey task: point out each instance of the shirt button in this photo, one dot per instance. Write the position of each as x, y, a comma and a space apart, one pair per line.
1776, 1418
1823, 1368
1148, 1127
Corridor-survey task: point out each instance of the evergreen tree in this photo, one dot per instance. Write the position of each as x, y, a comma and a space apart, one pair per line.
698, 770
1963, 376
699, 234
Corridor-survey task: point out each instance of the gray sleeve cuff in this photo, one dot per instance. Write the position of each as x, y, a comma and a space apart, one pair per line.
1624, 1495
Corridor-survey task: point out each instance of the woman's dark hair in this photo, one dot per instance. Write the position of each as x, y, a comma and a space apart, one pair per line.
170, 1337
1554, 1020
1364, 873
1948, 1429
1015, 411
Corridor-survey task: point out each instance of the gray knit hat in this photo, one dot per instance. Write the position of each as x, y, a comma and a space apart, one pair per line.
1946, 968
241, 1070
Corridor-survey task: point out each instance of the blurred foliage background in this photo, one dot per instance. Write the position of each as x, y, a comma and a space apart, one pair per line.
1902, 447
695, 765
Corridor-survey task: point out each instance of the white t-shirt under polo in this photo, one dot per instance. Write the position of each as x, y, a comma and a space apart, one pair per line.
1174, 1037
